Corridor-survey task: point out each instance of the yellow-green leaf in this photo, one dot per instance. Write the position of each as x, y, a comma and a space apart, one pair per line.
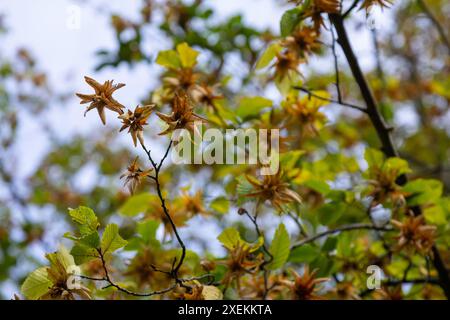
220, 204
111, 239
168, 59
268, 55
86, 219
230, 238
252, 106
279, 248
36, 284
289, 21
137, 204
188, 56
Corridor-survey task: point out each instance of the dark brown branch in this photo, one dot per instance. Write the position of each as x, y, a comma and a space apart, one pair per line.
393, 283
254, 220
372, 110
312, 94
111, 283
157, 168
383, 132
349, 227
298, 223
350, 9
336, 65
435, 22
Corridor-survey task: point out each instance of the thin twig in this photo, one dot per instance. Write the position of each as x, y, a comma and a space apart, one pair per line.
254, 220
312, 94
111, 283
157, 168
435, 22
350, 9
393, 283
349, 227
298, 223
336, 65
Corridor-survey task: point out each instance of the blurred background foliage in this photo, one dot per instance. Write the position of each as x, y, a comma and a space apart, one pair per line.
324, 156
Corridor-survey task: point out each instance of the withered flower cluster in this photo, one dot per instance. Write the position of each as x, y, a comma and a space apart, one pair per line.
135, 122
206, 95
305, 286
134, 175
415, 234
102, 98
318, 7
182, 115
303, 41
272, 188
368, 4
241, 260
286, 63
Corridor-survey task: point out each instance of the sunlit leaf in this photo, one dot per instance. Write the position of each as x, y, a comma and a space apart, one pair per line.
279, 248
220, 204
268, 55
188, 56
111, 239
36, 284
252, 106
169, 59
86, 219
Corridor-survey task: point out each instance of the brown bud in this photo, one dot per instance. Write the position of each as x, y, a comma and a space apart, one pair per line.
242, 211
208, 265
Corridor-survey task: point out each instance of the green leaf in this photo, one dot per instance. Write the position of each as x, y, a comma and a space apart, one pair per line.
289, 21
243, 186
318, 185
36, 284
147, 230
168, 59
220, 204
230, 238
111, 239
252, 106
86, 218
137, 204
91, 240
304, 254
436, 214
82, 254
423, 191
279, 248
268, 56
397, 165
188, 56
329, 213
61, 258
373, 157
330, 244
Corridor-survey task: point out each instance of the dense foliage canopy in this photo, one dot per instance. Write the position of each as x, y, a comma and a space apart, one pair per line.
358, 186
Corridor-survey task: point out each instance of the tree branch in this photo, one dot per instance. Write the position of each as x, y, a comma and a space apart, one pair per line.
157, 168
383, 132
254, 220
435, 22
312, 94
350, 9
349, 227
